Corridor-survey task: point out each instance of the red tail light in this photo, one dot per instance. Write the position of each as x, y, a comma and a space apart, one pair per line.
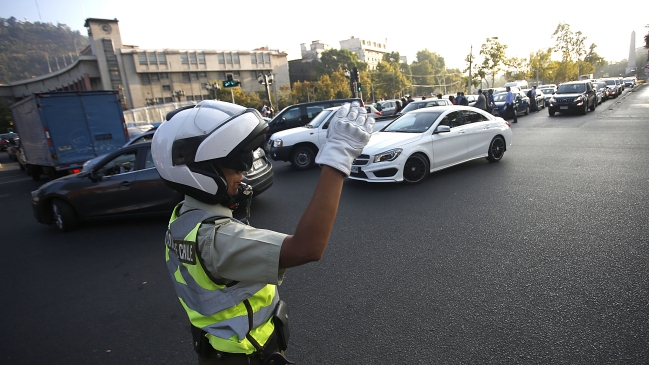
75, 171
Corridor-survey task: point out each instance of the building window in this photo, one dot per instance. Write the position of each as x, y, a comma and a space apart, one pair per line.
201, 58
193, 76
203, 85
253, 58
221, 58
228, 58
154, 78
202, 75
192, 58
254, 74
185, 76
189, 97
266, 58
166, 87
184, 58
236, 58
145, 79
163, 75
142, 58
152, 58
168, 99
162, 58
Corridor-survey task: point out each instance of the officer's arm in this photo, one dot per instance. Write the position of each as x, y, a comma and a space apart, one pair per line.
312, 233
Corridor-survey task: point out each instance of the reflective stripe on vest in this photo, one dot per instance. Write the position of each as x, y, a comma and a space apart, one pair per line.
217, 309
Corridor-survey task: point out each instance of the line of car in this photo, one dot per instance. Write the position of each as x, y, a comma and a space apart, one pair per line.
427, 136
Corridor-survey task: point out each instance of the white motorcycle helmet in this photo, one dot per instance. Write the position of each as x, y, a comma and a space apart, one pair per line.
188, 146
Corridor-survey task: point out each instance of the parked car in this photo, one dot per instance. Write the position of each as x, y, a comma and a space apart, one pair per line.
124, 183
5, 138
300, 114
431, 139
387, 107
606, 92
12, 148
574, 96
522, 103
630, 81
614, 87
539, 99
547, 92
598, 92
372, 111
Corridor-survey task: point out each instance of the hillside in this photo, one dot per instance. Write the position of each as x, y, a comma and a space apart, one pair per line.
25, 48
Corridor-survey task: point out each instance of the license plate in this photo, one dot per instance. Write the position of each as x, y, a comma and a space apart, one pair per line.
257, 164
355, 169
563, 107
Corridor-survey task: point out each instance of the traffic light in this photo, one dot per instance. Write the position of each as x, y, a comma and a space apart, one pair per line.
230, 82
354, 74
360, 87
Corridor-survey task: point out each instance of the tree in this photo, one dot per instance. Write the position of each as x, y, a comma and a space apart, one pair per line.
571, 45
494, 58
388, 81
646, 38
517, 69
338, 59
541, 66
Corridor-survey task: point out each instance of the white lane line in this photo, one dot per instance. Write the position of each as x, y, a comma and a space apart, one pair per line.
13, 181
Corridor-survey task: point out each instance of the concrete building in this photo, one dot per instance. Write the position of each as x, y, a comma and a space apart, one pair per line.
631, 65
370, 52
304, 69
152, 76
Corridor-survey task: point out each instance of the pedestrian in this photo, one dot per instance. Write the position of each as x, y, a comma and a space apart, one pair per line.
398, 108
226, 272
265, 111
464, 100
404, 102
481, 102
423, 97
533, 99
491, 104
439, 96
451, 98
509, 102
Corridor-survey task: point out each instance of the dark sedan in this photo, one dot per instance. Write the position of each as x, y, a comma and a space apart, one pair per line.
574, 96
522, 104
124, 183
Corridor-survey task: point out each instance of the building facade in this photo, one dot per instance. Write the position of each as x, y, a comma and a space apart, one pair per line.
152, 76
370, 52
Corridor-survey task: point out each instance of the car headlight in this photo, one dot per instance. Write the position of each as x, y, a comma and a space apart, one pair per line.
552, 99
278, 143
579, 98
390, 155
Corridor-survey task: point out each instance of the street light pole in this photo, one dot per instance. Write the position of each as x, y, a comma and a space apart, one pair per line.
470, 66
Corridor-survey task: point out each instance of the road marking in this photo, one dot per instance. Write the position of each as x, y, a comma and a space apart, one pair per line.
13, 181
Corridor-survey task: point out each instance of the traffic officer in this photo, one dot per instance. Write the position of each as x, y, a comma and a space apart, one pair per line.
225, 272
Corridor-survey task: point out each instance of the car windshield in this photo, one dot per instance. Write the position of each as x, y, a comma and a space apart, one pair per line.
610, 82
571, 88
315, 123
500, 97
416, 122
546, 91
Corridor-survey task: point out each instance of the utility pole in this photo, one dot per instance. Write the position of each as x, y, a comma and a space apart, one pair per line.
470, 64
266, 79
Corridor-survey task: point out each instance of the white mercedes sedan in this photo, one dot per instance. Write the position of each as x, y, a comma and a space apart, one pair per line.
431, 139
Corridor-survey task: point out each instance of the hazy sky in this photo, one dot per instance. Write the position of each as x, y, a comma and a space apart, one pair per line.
408, 27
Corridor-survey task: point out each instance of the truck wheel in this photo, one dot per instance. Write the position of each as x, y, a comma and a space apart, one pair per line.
64, 216
34, 172
302, 158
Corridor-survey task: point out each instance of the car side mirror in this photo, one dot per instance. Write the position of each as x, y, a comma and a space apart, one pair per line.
442, 129
96, 175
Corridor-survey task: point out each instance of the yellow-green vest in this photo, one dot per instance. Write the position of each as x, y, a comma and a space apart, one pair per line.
219, 308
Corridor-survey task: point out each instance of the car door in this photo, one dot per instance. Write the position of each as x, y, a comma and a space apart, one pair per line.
480, 130
110, 191
322, 130
153, 195
450, 147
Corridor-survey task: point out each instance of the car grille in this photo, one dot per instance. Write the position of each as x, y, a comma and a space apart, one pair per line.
361, 160
565, 100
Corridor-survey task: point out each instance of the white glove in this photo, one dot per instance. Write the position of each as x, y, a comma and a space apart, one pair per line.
347, 134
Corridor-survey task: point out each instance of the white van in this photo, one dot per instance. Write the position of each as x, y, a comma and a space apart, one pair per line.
522, 84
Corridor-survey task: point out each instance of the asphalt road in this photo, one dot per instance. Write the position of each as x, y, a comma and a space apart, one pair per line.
540, 258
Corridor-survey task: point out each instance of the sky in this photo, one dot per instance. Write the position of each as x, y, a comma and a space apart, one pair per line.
407, 27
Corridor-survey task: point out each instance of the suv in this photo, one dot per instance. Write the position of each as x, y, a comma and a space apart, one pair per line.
614, 87
578, 96
300, 114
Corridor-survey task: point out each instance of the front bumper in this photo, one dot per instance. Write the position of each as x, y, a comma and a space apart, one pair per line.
364, 170
280, 153
260, 178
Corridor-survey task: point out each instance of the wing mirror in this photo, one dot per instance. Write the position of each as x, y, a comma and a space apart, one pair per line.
442, 129
96, 175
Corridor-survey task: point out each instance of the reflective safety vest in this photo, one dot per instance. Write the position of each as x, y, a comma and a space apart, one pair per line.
234, 314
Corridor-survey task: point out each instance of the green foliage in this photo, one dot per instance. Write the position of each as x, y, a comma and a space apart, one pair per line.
388, 81
494, 59
333, 60
427, 72
6, 121
25, 48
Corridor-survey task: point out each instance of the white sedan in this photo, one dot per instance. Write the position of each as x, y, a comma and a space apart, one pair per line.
431, 139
